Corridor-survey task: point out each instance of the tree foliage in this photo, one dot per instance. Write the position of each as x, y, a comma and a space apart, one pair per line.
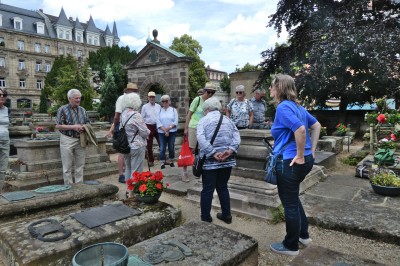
109, 95
114, 56
197, 73
66, 74
337, 49
248, 67
225, 84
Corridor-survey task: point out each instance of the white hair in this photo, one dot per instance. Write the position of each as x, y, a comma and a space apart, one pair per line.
259, 91
131, 100
166, 97
73, 92
211, 104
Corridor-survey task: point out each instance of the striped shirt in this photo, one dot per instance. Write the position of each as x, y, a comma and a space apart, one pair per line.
4, 121
228, 137
68, 115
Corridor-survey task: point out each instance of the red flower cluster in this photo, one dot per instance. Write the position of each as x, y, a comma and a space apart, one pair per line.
381, 119
146, 183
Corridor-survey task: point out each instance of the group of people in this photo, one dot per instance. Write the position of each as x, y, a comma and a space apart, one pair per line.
294, 128
295, 132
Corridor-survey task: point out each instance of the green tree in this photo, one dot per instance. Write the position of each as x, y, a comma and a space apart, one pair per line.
225, 84
109, 95
197, 73
66, 74
337, 49
114, 56
248, 67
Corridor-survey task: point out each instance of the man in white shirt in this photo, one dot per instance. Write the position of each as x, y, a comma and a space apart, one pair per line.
150, 112
130, 87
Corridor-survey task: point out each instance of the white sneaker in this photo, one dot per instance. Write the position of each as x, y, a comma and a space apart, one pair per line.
305, 241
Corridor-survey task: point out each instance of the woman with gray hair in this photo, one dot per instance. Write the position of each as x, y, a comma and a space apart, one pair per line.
167, 125
240, 110
220, 158
137, 133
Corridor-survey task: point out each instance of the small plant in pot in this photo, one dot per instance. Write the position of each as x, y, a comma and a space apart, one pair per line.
385, 182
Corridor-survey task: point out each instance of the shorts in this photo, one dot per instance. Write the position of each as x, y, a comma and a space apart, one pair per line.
192, 137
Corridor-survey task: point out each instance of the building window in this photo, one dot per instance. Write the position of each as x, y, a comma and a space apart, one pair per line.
39, 84
109, 43
38, 66
2, 83
2, 43
79, 37
22, 83
2, 62
39, 27
61, 34
47, 48
38, 48
21, 64
79, 53
21, 45
17, 23
48, 67
95, 41
1, 20
67, 34
90, 40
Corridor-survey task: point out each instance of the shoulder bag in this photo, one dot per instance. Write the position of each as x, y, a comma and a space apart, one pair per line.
199, 162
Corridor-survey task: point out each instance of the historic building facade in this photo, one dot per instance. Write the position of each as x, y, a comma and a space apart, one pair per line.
31, 40
215, 76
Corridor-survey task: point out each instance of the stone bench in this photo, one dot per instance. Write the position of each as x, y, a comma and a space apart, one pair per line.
210, 245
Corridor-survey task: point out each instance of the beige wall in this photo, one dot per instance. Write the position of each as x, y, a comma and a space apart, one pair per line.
243, 78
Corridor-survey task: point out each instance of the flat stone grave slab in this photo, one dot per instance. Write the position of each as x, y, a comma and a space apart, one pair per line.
319, 256
41, 201
18, 247
355, 217
210, 244
326, 159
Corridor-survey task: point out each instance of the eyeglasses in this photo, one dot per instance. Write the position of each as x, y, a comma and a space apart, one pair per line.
3, 95
239, 92
152, 97
164, 101
210, 91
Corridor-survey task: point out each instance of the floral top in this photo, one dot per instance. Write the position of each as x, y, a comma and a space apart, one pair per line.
240, 112
135, 128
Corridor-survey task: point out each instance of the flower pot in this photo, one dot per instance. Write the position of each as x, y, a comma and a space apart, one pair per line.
386, 191
148, 198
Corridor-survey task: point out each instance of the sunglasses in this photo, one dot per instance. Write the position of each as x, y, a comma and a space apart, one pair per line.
152, 97
3, 95
239, 92
210, 92
164, 101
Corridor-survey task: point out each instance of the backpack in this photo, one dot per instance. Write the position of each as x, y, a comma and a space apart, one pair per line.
120, 140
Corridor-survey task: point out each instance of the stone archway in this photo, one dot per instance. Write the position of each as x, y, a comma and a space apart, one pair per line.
169, 69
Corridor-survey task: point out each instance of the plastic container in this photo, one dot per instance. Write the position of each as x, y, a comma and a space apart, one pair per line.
107, 254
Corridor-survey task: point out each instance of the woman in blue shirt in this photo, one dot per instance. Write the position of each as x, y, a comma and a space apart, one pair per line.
290, 131
220, 158
167, 124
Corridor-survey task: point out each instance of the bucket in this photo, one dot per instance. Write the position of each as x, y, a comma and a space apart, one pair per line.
107, 254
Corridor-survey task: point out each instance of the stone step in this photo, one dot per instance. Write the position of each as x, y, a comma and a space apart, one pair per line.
210, 244
18, 247
253, 196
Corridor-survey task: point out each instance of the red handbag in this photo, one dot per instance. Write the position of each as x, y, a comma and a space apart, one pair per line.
186, 157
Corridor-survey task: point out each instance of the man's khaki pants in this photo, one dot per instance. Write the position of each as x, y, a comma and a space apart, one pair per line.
72, 154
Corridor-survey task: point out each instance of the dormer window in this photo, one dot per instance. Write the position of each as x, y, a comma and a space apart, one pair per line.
1, 20
17, 23
79, 37
96, 41
40, 27
60, 34
67, 35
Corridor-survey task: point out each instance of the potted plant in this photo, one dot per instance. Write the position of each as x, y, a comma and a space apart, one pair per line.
146, 186
385, 182
341, 130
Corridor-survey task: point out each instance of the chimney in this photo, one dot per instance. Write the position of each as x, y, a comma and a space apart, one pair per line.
71, 19
41, 10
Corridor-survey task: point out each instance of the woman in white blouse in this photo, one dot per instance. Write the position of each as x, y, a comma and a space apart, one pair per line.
167, 125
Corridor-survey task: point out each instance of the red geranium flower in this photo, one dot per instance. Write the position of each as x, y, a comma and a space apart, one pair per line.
146, 183
142, 188
381, 119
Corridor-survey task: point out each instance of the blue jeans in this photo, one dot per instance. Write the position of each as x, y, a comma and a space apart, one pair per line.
170, 140
289, 179
215, 179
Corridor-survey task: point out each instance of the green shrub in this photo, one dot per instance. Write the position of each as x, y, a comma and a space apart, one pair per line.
350, 160
278, 214
385, 178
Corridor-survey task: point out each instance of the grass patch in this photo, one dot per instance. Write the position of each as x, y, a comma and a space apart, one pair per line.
278, 214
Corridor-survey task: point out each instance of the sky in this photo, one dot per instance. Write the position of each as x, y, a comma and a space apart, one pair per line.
231, 32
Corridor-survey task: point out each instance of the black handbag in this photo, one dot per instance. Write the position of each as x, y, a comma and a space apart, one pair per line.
198, 163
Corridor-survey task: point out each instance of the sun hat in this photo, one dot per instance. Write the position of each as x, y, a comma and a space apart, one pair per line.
131, 86
151, 93
210, 86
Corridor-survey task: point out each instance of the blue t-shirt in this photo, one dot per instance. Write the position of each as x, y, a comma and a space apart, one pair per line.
289, 117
